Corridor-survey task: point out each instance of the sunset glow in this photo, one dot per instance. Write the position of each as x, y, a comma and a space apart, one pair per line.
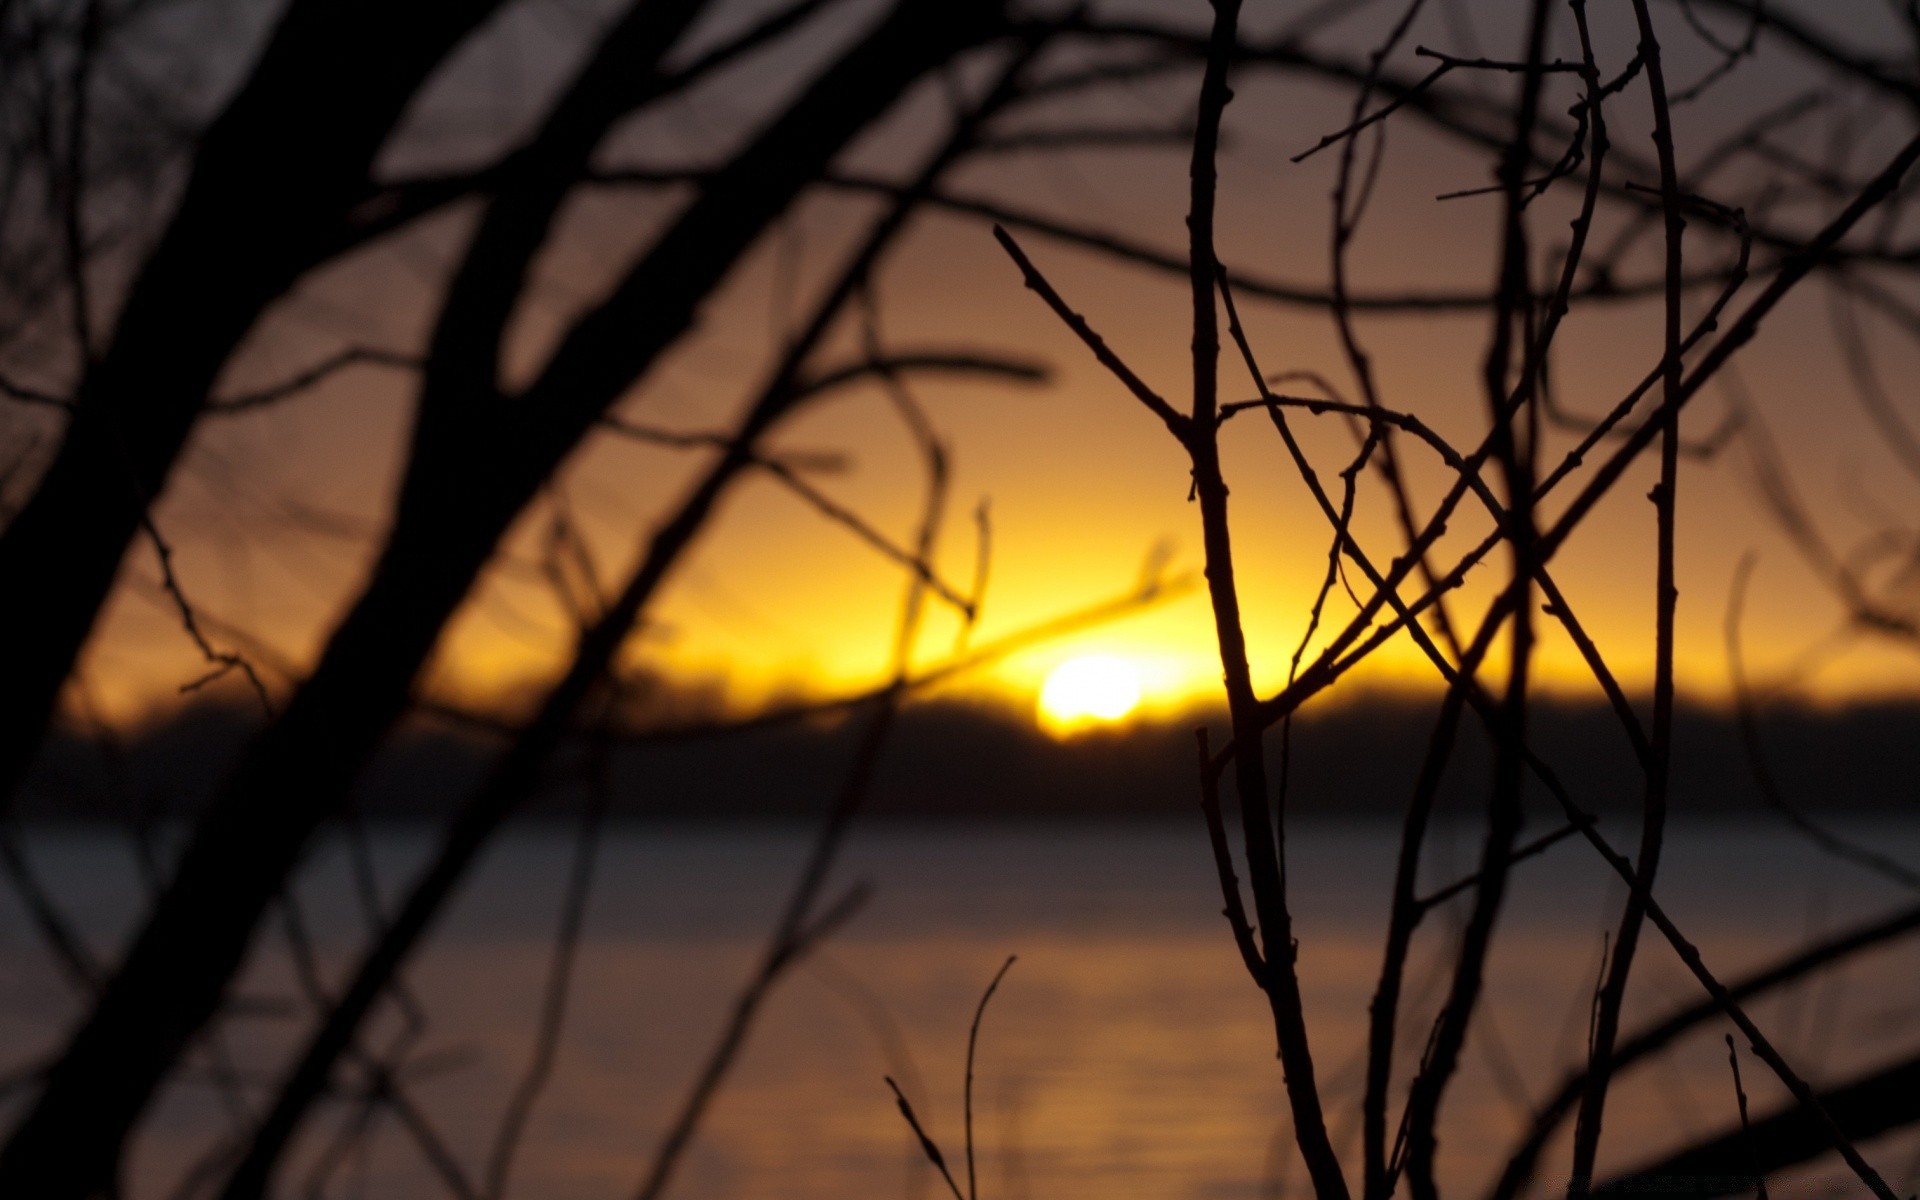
1089, 690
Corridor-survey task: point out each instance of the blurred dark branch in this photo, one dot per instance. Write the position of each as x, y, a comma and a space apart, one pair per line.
1701, 449
63, 942
1788, 26
388, 207
705, 439
1747, 716
1447, 62
1463, 115
1795, 269
553, 1005
857, 525
1723, 999
930, 1148
1732, 55
1509, 375
960, 364
788, 473
1094, 76
801, 924
1341, 653
381, 1085
599, 351
1746, 1129
1792, 271
1091, 138
1706, 167
1491, 64
936, 363
1519, 854
257, 649
380, 1092
1782, 502
1869, 386
1126, 249
1656, 1036
292, 139
1863, 1107
23, 394
1151, 591
314, 375
247, 847
73, 183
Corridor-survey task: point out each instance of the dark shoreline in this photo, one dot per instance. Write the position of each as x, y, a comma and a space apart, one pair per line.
959, 761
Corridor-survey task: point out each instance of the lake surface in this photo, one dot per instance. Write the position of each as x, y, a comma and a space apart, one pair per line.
1126, 1054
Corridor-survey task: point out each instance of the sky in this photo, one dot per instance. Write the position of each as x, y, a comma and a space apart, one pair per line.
276, 514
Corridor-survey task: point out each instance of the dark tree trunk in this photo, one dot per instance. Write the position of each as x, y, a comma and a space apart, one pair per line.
468, 478
273, 182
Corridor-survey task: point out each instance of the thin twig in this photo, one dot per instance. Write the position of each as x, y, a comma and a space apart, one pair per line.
553, 1006
1587, 1129
973, 1041
1038, 283
928, 1146
15, 390
1198, 433
1654, 1037
1234, 909
223, 661
1747, 717
311, 377
1740, 1092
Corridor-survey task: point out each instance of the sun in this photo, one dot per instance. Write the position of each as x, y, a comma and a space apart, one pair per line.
1090, 690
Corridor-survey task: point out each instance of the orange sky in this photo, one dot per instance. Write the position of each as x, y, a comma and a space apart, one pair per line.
1083, 485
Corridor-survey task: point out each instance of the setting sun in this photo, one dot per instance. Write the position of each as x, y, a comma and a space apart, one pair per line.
1087, 690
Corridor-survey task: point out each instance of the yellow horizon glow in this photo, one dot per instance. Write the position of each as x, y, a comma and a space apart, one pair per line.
775, 605
1170, 648
1089, 690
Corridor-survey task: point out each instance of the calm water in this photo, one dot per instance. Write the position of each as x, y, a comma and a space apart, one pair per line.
1125, 1056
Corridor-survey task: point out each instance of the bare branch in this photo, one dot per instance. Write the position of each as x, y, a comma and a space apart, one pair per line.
223, 661
931, 362
1656, 1036
845, 517
1091, 138
973, 1041
1747, 717
313, 376
1235, 910
1037, 283
928, 1146
20, 392
1740, 1092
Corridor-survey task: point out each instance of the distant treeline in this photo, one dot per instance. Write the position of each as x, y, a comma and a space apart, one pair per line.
950, 759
